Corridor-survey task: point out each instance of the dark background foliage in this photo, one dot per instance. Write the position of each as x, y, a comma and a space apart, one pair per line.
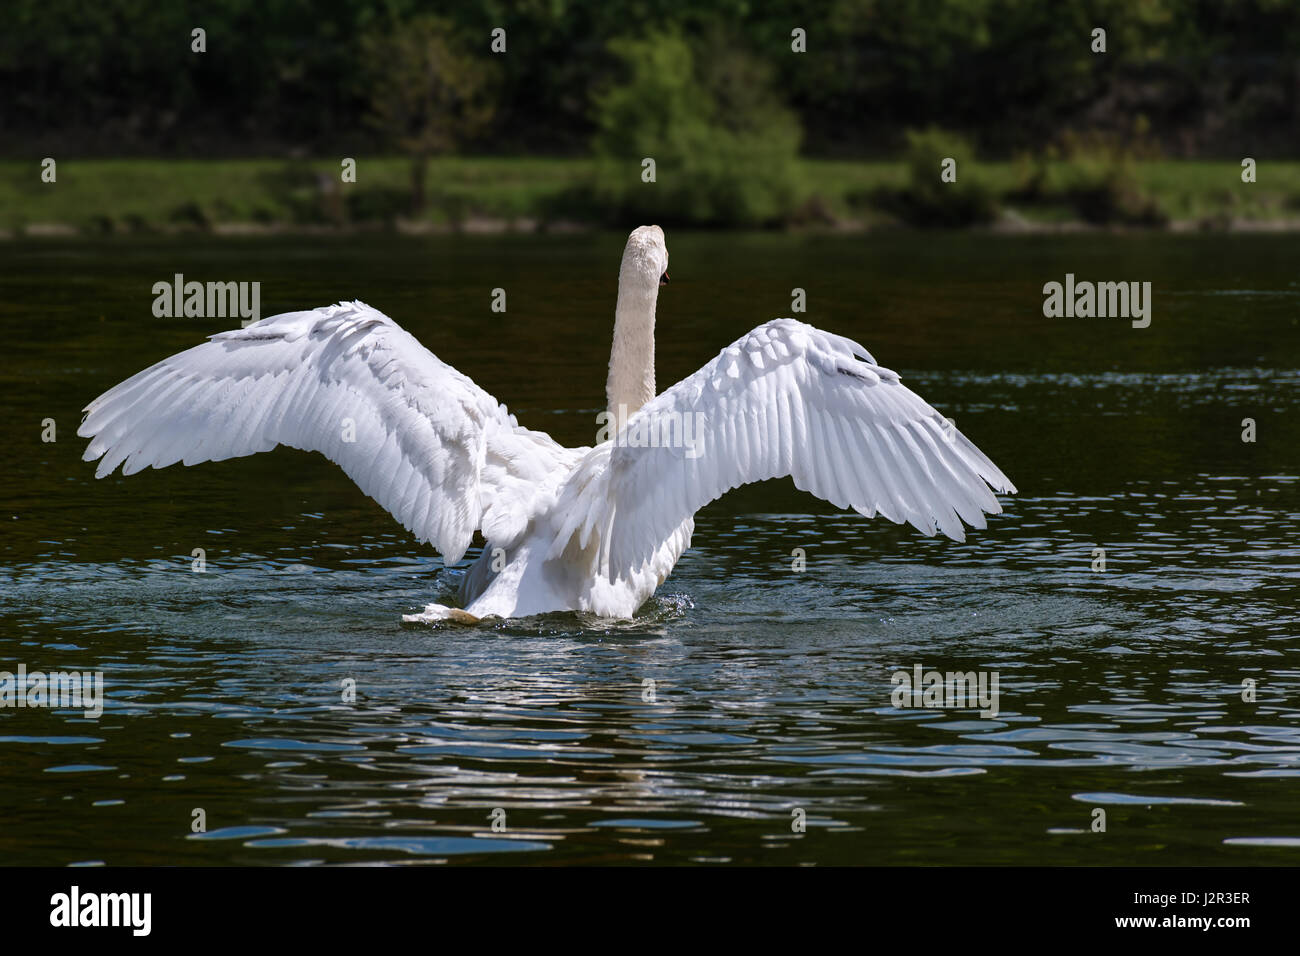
1208, 78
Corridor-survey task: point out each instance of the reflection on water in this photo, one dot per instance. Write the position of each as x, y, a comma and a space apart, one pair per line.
745, 695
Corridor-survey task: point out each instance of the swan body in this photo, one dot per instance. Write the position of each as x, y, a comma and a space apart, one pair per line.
594, 529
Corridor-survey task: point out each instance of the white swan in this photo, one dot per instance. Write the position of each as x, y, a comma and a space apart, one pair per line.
591, 529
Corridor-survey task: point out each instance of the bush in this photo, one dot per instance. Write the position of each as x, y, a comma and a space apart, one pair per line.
1093, 176
377, 203
1100, 182
927, 200
306, 195
1030, 175
190, 214
724, 147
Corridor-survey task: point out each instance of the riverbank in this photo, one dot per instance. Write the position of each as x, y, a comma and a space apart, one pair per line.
488, 195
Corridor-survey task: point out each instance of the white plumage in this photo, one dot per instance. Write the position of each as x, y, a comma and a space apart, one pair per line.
593, 529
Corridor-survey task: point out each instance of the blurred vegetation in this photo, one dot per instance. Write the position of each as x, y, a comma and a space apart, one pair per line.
117, 77
1094, 175
123, 196
428, 95
723, 147
929, 199
744, 131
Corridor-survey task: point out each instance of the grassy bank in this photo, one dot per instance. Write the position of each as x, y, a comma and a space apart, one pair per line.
109, 196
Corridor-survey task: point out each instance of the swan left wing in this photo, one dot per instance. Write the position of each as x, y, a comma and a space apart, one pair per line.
786, 399
435, 450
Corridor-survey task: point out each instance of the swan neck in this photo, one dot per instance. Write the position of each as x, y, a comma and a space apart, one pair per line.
631, 381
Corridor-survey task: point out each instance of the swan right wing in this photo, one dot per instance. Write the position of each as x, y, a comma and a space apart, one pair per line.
417, 436
786, 399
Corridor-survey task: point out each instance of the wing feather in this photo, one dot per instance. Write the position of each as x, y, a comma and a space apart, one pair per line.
417, 441
785, 400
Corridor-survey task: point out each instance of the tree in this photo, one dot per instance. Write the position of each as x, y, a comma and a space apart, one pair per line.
429, 93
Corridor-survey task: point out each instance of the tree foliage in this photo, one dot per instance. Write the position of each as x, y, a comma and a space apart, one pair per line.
118, 76
427, 95
722, 144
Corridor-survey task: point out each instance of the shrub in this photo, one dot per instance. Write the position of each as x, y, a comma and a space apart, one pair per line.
1099, 180
724, 147
927, 200
377, 203
190, 214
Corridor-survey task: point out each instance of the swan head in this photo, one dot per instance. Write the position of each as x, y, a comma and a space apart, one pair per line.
645, 262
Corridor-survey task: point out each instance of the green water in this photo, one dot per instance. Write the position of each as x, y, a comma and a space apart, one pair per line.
1119, 690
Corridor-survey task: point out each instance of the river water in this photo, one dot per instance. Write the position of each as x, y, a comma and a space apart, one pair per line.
745, 715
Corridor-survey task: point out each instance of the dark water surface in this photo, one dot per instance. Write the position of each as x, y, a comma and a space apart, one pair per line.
1120, 690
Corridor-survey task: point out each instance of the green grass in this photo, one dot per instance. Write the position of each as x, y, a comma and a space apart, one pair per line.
1195, 190
126, 195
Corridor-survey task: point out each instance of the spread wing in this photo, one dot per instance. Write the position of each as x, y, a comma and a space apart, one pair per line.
786, 399
434, 449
